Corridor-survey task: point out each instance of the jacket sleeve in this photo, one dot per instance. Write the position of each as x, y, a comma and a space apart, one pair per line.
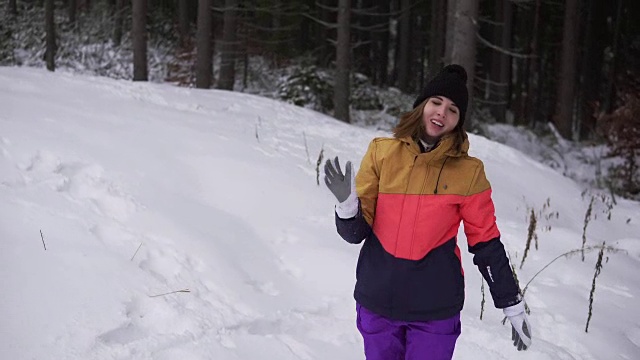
367, 182
356, 229
483, 238
353, 230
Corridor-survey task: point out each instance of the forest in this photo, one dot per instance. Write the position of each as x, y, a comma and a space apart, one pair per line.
568, 68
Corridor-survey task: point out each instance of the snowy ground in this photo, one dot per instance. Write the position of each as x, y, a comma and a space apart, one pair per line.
218, 192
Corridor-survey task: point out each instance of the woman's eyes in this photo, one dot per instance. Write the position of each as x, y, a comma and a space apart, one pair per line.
438, 103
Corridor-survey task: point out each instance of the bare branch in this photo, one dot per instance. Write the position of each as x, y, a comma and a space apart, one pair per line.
271, 42
490, 22
318, 163
393, 13
321, 22
353, 45
374, 28
326, 7
366, 11
272, 29
608, 249
370, 11
490, 82
280, 10
489, 102
503, 50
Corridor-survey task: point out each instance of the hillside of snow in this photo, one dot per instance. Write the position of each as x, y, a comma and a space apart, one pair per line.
189, 224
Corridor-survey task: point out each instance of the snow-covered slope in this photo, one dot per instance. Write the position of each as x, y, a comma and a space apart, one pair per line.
143, 189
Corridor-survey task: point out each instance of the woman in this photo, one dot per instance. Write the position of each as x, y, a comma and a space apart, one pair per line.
406, 204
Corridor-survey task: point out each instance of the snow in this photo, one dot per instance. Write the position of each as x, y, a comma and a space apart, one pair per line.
143, 189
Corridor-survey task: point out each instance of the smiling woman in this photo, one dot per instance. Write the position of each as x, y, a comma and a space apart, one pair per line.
406, 203
440, 116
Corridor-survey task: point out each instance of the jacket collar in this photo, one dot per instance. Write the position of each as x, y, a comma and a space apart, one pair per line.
443, 148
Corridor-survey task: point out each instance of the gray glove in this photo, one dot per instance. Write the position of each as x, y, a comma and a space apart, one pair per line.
339, 184
520, 327
343, 187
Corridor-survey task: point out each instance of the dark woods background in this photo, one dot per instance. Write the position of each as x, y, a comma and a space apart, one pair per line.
574, 64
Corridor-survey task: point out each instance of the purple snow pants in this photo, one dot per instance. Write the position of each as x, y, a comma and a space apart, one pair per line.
387, 339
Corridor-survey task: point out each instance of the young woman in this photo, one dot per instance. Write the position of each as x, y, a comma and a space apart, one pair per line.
406, 203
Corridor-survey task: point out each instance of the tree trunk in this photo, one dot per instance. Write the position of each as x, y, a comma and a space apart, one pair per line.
403, 67
139, 35
451, 29
381, 44
566, 85
119, 22
183, 22
50, 51
610, 94
204, 70
463, 51
13, 7
595, 43
326, 50
437, 40
84, 5
500, 63
419, 51
305, 38
341, 86
228, 47
362, 53
72, 7
532, 108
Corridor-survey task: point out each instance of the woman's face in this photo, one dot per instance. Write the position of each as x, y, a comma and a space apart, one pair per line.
439, 116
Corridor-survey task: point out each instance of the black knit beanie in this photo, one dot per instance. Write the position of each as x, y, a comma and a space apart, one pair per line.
450, 82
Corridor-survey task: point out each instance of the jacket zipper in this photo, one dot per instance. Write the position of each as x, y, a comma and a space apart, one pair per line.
424, 185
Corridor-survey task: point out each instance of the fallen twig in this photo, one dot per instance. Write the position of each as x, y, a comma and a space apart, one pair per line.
134, 254
42, 237
172, 292
306, 147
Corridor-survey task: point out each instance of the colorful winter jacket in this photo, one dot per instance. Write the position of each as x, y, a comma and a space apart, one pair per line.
411, 206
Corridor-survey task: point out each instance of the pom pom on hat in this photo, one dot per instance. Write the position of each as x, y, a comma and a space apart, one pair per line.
456, 69
451, 82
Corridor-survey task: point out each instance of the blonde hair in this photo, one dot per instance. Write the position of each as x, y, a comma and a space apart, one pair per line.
411, 125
